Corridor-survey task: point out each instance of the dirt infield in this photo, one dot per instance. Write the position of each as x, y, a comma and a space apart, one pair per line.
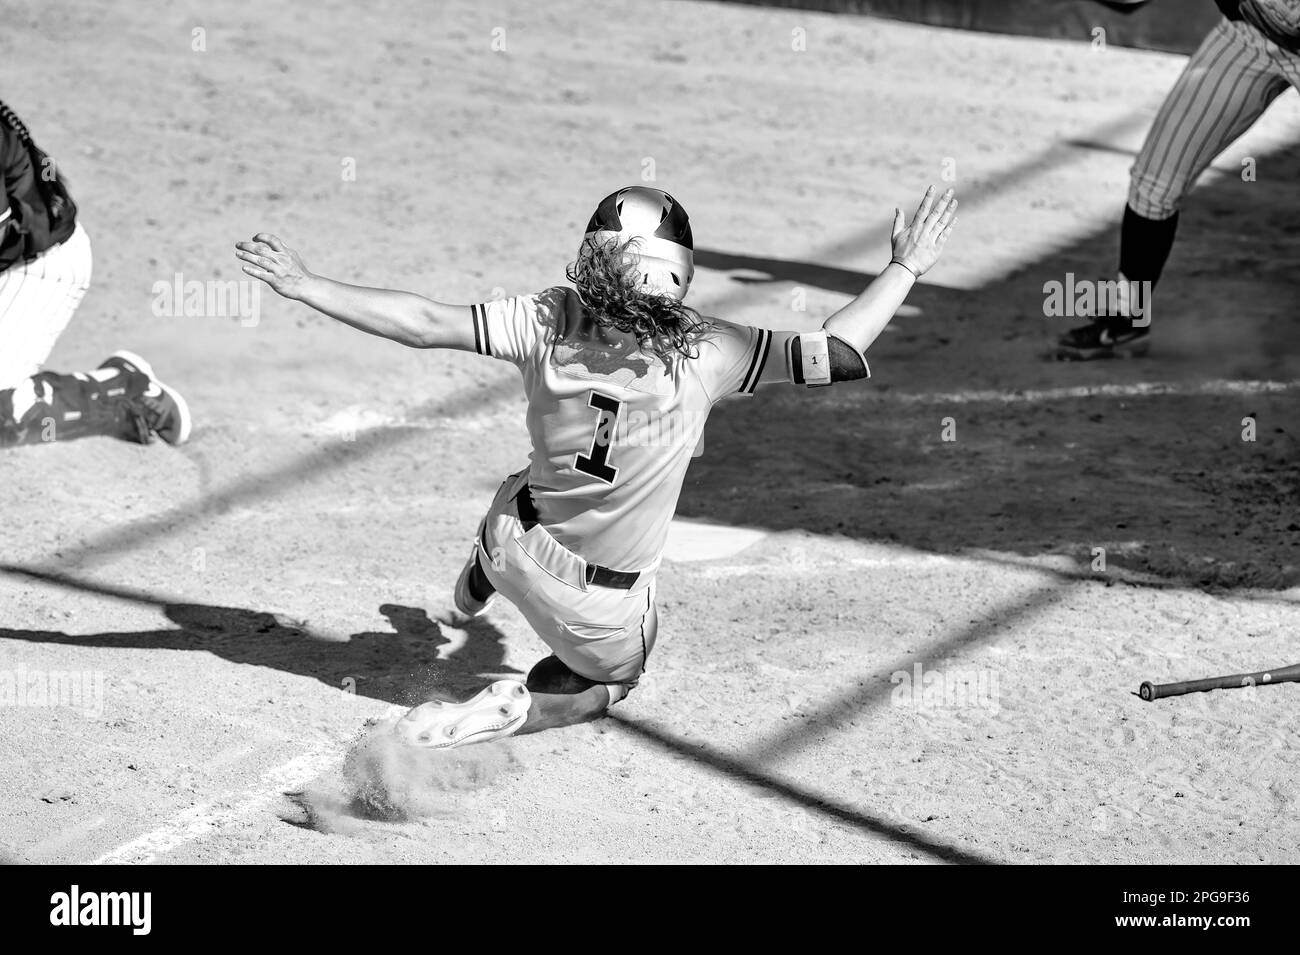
877, 645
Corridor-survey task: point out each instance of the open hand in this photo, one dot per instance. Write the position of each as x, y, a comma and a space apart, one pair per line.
917, 245
274, 263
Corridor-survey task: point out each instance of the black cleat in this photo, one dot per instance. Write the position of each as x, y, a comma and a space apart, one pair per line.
1103, 338
162, 409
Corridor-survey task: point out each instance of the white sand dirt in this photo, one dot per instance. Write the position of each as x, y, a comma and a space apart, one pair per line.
250, 600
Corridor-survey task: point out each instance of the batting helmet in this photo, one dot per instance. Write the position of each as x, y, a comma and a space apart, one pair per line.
663, 246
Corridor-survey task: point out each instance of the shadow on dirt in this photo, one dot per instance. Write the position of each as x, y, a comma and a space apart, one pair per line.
404, 667
967, 440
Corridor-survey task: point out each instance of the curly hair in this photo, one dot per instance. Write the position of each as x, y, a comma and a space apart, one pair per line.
608, 283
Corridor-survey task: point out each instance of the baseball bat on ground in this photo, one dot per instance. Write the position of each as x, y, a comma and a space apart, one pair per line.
1154, 691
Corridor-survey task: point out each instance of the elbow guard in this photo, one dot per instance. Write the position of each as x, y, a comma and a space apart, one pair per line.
820, 358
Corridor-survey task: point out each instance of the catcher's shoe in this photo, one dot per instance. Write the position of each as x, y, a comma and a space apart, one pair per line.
496, 712
466, 603
163, 409
1109, 337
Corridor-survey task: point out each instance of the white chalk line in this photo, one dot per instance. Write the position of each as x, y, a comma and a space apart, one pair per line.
799, 567
1142, 389
366, 421
211, 817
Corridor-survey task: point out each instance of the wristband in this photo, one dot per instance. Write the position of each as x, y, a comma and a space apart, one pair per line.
915, 274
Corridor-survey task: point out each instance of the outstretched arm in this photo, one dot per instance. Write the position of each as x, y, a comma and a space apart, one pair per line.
837, 353
400, 316
916, 247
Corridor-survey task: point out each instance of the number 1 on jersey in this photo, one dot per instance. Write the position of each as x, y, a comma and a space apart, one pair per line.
596, 461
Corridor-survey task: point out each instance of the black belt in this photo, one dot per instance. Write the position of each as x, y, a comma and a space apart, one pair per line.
596, 574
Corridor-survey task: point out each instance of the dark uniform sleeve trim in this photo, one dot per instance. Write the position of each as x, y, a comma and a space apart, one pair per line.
761, 346
482, 341
478, 336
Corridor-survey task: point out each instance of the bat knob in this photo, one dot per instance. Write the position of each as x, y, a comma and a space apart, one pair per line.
1147, 692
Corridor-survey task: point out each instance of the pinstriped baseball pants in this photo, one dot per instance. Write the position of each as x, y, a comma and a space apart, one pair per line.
1227, 84
37, 299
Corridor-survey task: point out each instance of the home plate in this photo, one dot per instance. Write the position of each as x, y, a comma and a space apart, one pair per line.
689, 540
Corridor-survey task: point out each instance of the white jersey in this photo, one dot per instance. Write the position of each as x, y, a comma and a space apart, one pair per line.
613, 427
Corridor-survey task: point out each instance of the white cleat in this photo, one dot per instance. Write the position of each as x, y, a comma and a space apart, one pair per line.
495, 713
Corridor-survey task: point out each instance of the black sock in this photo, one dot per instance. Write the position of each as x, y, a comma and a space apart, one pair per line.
1144, 247
480, 588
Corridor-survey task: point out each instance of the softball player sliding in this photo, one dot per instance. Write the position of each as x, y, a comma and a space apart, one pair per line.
1246, 61
44, 273
620, 376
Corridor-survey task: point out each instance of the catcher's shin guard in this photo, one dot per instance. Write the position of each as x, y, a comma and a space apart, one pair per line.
51, 407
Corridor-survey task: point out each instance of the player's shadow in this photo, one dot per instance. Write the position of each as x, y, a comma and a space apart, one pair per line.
404, 666
760, 270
